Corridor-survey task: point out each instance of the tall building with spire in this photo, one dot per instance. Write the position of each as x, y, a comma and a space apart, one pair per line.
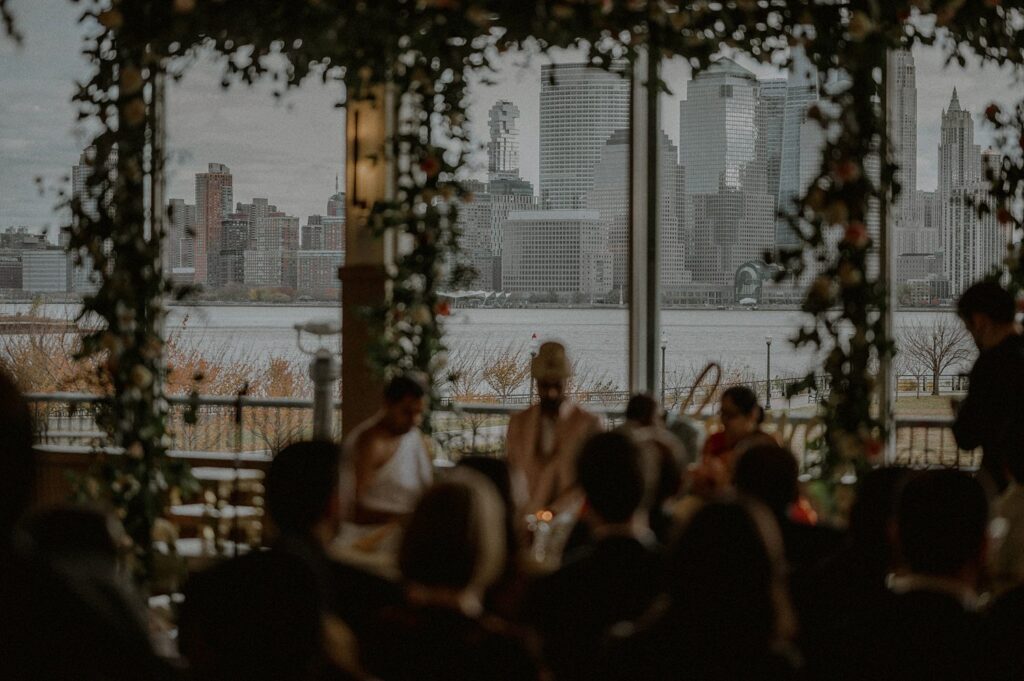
973, 245
214, 198
580, 107
503, 147
959, 156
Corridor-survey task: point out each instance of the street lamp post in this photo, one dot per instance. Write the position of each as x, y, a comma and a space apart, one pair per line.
664, 344
533, 353
768, 393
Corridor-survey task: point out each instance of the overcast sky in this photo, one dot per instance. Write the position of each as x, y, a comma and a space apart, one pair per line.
290, 152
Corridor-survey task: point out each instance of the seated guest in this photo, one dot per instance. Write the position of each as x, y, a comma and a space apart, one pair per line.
846, 594
726, 615
615, 578
258, 617
741, 416
544, 440
931, 630
1007, 568
388, 465
1003, 631
646, 425
770, 474
503, 598
55, 623
452, 551
304, 511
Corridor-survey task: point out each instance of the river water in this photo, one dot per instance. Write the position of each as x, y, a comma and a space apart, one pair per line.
595, 337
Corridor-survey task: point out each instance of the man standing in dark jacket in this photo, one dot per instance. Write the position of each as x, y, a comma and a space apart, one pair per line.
992, 415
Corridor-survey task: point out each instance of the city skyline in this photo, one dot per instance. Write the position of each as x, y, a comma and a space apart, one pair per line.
733, 175
282, 146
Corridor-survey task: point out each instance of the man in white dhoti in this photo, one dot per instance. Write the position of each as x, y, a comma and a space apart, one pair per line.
387, 462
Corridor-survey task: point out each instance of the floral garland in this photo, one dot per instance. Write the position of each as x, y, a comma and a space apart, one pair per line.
424, 49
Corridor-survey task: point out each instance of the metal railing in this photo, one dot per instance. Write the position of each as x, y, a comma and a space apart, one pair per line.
257, 427
209, 424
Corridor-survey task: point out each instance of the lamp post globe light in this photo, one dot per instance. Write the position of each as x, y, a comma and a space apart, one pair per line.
768, 374
324, 370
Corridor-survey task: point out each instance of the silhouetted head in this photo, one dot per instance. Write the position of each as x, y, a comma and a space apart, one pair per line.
551, 368
987, 310
643, 410
17, 461
497, 472
302, 487
254, 618
768, 473
404, 403
455, 537
942, 517
72, 533
874, 510
726, 580
740, 413
611, 472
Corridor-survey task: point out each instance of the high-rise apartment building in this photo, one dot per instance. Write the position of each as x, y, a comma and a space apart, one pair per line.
181, 231
262, 268
313, 233
503, 147
318, 273
213, 202
560, 251
235, 238
580, 107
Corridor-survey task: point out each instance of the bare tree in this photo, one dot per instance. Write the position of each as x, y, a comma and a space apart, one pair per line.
935, 348
505, 372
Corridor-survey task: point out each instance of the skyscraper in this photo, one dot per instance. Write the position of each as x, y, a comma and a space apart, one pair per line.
901, 103
959, 156
580, 107
972, 245
732, 223
503, 147
610, 197
762, 175
213, 204
181, 230
336, 203
801, 142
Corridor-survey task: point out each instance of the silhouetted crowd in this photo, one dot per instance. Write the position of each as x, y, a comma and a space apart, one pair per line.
626, 556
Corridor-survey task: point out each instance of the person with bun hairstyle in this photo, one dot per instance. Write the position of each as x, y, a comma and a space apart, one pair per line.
741, 416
